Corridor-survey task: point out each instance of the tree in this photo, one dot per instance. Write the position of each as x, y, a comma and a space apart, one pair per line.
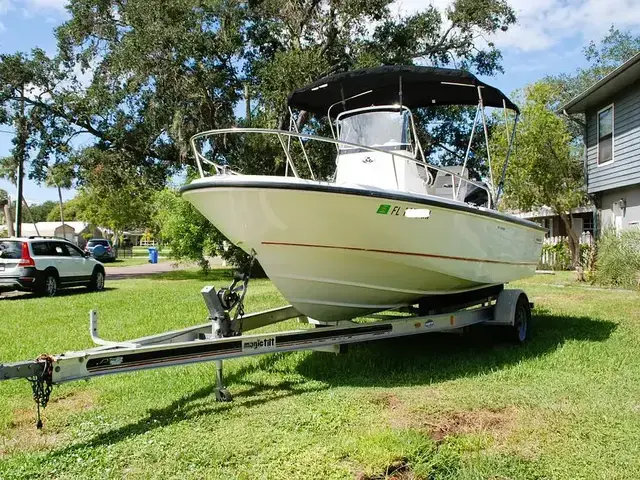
59, 176
73, 210
161, 71
41, 212
112, 191
6, 208
545, 169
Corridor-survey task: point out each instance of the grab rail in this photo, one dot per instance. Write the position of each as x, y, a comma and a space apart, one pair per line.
224, 169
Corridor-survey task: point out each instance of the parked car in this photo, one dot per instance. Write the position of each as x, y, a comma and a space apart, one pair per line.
101, 249
44, 265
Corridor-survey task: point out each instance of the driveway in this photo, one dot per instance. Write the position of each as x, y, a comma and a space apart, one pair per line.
144, 270
133, 271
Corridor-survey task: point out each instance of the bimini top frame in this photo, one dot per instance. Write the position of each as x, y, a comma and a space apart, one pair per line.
409, 85
399, 87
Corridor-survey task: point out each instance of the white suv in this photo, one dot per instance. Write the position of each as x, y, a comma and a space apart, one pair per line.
43, 265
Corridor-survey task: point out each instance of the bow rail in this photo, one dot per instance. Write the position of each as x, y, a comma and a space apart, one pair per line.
458, 179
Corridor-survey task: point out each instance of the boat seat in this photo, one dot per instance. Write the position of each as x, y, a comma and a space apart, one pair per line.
476, 195
444, 181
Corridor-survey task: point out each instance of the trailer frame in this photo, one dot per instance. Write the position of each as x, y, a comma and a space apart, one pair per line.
224, 336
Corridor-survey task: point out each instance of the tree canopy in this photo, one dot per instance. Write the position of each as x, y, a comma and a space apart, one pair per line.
141, 77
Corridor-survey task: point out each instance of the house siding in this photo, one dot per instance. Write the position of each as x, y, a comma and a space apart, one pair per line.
625, 168
629, 216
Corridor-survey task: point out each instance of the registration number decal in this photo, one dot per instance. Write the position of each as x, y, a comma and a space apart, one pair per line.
398, 211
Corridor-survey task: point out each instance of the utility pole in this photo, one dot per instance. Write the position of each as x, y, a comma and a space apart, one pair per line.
20, 154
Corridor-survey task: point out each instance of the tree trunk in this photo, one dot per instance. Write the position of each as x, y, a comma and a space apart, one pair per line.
64, 233
574, 246
247, 104
8, 219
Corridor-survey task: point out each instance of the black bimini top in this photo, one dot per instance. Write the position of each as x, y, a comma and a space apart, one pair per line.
409, 85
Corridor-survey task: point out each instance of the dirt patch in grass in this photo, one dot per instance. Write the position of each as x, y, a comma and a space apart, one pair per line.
397, 470
498, 422
23, 435
387, 400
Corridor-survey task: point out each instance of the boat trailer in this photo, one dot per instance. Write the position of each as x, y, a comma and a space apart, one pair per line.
223, 336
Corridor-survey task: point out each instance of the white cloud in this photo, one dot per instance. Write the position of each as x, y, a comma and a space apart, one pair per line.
38, 5
2, 27
543, 24
5, 6
30, 8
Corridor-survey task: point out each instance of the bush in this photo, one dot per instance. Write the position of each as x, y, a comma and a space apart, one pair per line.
557, 256
618, 259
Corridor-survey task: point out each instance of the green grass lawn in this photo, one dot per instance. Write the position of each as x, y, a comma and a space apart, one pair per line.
439, 406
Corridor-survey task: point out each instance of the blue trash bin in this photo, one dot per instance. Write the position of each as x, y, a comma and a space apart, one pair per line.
153, 255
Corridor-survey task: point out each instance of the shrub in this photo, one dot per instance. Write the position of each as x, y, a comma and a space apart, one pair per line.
618, 259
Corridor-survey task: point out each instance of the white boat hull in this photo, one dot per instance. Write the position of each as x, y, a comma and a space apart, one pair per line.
339, 252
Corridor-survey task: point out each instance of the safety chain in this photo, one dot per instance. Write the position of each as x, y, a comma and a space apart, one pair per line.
42, 384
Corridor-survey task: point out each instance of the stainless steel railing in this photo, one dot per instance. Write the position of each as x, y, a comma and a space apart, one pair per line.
225, 169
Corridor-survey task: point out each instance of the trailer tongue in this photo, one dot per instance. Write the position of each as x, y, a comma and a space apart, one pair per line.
223, 336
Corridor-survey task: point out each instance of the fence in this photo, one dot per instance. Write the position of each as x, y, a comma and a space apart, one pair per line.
124, 252
556, 254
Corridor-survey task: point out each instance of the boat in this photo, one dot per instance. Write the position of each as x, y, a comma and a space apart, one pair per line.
390, 227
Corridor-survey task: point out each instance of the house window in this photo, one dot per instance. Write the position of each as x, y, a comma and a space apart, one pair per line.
605, 135
587, 224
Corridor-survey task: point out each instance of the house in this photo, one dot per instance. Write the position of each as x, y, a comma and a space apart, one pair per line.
611, 108
76, 232
581, 221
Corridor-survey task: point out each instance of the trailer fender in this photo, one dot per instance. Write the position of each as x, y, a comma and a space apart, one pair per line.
505, 310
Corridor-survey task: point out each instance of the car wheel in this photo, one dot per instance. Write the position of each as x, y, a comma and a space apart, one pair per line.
49, 285
97, 281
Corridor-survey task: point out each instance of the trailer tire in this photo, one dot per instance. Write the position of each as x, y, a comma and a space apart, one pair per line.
521, 320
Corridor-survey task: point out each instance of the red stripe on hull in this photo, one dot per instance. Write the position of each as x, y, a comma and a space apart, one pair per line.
392, 252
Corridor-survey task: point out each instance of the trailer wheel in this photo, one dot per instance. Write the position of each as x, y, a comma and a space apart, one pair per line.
521, 319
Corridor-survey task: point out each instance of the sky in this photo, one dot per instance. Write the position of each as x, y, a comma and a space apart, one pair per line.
548, 39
